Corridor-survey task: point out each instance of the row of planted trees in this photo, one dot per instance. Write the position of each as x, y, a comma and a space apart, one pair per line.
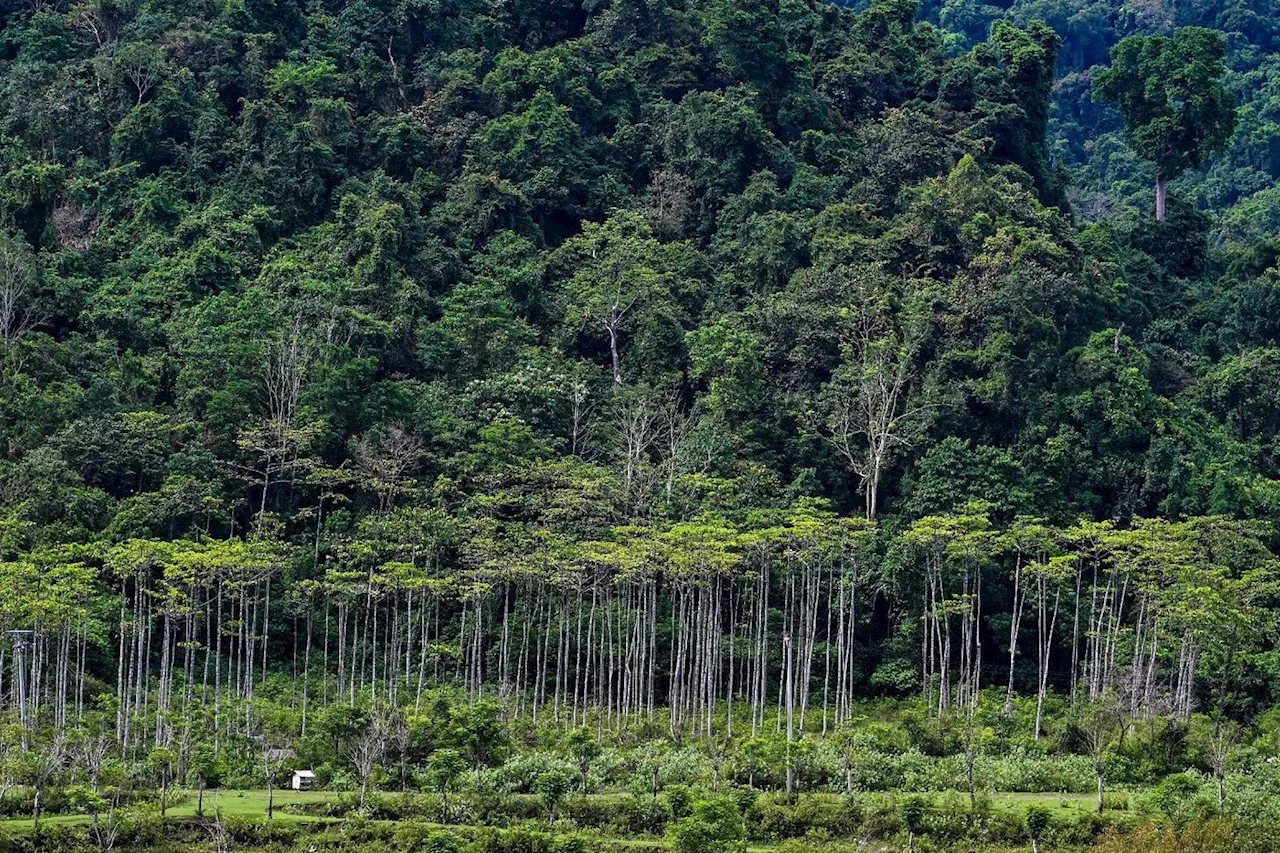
781, 618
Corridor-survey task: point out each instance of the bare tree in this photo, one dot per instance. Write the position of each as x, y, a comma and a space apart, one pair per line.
18, 313
677, 425
619, 272
615, 302
580, 410
365, 752
91, 752
400, 738
273, 758
106, 829
388, 459
637, 418
77, 228
7, 779
873, 405
1221, 749
218, 833
278, 440
45, 764
1098, 726
98, 21
142, 65
668, 202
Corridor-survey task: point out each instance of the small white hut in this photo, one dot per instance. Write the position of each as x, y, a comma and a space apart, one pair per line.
303, 780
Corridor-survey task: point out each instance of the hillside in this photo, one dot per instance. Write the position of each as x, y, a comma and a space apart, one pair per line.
666, 370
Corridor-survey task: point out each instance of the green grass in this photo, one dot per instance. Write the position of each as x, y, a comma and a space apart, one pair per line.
229, 802
252, 805
249, 804
1061, 804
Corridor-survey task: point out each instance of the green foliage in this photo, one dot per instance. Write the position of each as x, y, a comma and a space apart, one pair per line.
912, 812
552, 787
503, 398
715, 826
1176, 110
1038, 820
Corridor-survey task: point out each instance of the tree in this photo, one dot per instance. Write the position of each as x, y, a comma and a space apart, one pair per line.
160, 762
911, 811
18, 312
444, 769
715, 826
552, 787
873, 408
1037, 820
85, 799
365, 752
585, 749
621, 282
44, 763
1176, 111
480, 736
204, 765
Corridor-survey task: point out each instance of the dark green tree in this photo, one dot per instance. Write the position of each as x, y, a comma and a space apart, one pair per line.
1169, 89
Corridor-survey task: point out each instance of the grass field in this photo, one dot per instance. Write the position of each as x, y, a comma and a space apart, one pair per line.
252, 804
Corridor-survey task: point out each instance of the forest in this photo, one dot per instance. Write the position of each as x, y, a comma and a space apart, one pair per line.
557, 426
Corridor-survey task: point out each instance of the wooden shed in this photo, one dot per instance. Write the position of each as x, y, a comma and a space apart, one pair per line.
303, 780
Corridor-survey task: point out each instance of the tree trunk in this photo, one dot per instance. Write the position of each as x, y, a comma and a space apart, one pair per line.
789, 687
1160, 199
614, 356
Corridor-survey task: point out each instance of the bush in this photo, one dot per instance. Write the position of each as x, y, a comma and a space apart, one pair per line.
1116, 802
643, 815
519, 775
771, 819
1026, 771
679, 801
594, 813
518, 840
259, 832
683, 767
441, 842
714, 827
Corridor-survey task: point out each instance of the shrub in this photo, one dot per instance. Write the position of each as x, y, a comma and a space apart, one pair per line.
553, 786
517, 840
683, 767
442, 842
596, 813
715, 826
643, 815
679, 801
519, 775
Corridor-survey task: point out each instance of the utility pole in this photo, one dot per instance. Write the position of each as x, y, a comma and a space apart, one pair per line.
21, 641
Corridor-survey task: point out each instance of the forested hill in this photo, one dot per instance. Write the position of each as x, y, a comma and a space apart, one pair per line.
761, 318
1085, 137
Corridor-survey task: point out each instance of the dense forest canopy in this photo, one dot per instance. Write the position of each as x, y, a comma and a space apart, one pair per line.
720, 360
